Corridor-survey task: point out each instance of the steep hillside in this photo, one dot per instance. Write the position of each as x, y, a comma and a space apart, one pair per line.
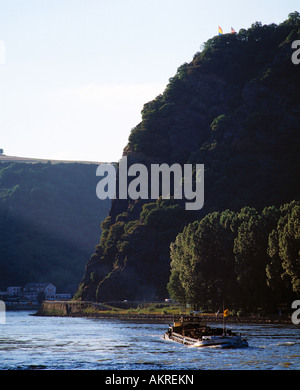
234, 108
49, 222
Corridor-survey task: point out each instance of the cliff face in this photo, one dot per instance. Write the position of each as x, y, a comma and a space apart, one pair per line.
234, 108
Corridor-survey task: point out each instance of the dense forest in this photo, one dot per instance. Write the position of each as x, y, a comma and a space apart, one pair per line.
49, 222
247, 258
234, 108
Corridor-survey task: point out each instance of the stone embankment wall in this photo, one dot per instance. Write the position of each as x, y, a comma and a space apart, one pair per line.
92, 309
98, 310
65, 308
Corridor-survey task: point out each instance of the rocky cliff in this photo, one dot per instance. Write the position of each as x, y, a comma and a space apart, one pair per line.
234, 108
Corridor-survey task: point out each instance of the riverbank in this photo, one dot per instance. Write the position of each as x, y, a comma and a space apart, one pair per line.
161, 314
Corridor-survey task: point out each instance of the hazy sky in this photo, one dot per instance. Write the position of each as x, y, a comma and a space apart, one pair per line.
76, 73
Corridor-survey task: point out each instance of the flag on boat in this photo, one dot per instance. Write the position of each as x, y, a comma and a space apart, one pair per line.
226, 313
220, 31
233, 31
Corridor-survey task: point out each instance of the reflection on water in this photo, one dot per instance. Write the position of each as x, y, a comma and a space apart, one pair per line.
28, 342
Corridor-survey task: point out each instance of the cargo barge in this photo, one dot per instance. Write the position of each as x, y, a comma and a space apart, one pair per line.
192, 332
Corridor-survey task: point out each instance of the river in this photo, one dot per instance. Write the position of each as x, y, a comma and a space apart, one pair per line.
54, 343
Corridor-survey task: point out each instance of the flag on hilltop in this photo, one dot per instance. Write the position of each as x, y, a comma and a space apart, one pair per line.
220, 31
233, 31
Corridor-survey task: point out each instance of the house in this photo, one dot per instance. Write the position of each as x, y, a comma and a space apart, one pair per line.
14, 291
32, 291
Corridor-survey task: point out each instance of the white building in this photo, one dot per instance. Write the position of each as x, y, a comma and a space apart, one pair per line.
32, 290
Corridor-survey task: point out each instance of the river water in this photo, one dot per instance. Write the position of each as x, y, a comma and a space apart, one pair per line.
53, 343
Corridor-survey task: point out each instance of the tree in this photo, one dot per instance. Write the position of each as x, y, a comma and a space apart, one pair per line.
182, 286
289, 247
248, 259
283, 268
202, 267
276, 281
250, 249
294, 18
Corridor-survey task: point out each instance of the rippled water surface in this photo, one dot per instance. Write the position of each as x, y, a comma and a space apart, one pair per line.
28, 342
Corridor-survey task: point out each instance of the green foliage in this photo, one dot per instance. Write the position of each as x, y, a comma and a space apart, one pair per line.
247, 259
202, 266
131, 226
294, 19
284, 251
114, 233
163, 216
250, 247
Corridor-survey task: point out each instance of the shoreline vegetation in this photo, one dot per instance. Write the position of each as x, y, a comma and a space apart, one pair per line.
150, 311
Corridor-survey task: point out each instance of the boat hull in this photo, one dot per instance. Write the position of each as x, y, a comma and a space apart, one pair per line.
209, 341
222, 342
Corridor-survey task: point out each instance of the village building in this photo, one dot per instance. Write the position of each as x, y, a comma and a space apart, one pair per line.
14, 291
32, 291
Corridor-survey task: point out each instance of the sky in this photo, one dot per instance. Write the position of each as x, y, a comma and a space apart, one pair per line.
75, 74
